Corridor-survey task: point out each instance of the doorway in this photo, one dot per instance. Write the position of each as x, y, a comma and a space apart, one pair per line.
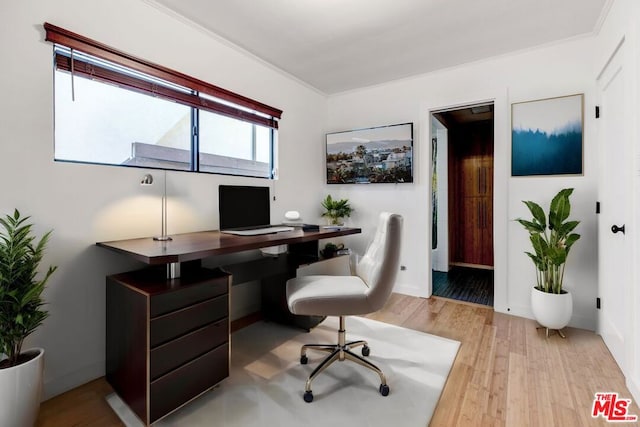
462, 200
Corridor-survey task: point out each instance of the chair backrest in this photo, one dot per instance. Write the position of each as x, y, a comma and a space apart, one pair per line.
379, 265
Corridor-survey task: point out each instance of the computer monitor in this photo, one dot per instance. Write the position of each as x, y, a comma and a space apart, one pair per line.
243, 206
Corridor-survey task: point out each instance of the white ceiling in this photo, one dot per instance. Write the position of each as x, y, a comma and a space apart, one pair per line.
338, 45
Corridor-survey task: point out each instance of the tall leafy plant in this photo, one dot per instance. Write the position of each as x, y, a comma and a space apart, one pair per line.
20, 290
551, 242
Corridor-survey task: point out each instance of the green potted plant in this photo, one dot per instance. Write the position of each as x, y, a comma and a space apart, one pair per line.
331, 249
336, 210
20, 314
552, 305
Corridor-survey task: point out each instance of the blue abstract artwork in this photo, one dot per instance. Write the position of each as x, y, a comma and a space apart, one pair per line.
546, 136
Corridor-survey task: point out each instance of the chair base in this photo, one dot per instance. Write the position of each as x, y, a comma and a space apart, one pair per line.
340, 352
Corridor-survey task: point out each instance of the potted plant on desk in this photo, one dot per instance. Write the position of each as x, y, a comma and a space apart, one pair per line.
331, 249
20, 314
552, 305
336, 210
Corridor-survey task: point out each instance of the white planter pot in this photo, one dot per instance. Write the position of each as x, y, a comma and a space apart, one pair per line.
20, 392
552, 311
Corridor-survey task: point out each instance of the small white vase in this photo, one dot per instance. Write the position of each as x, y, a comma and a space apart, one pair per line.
335, 221
552, 311
21, 391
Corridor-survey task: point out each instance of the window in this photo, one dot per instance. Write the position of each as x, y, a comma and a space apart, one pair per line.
111, 108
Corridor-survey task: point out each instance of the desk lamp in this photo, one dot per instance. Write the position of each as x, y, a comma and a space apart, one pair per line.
147, 179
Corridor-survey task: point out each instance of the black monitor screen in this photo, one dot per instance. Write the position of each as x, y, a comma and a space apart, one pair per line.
242, 206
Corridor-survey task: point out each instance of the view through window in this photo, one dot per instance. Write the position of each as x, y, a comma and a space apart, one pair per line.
107, 113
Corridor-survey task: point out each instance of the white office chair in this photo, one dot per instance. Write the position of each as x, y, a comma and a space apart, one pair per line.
341, 296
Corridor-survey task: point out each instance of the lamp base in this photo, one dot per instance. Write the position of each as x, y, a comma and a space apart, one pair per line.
162, 238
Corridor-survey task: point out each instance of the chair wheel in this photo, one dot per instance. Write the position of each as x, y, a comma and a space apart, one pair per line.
303, 361
384, 390
308, 396
366, 350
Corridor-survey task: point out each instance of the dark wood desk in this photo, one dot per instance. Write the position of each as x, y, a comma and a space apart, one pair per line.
168, 331
203, 244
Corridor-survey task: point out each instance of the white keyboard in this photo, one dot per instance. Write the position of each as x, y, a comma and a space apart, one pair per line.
258, 231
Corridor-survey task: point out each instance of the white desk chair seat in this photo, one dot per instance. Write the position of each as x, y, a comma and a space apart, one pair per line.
331, 295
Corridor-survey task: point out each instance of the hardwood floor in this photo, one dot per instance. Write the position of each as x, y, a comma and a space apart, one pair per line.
82, 406
506, 372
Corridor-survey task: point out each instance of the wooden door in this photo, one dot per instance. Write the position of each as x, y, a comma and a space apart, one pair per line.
470, 236
472, 196
486, 210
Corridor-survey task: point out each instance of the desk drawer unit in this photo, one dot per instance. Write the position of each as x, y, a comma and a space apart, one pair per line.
167, 340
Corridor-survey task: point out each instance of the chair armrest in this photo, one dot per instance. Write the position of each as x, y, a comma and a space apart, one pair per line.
336, 266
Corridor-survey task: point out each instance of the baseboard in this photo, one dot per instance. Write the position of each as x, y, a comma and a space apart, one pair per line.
634, 388
582, 322
478, 266
413, 291
59, 385
245, 321
577, 321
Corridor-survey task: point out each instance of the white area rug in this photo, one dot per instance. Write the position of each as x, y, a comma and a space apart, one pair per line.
266, 384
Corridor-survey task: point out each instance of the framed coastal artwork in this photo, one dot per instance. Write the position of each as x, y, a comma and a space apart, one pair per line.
382, 154
547, 136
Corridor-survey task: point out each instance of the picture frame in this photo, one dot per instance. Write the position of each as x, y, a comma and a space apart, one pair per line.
382, 154
547, 136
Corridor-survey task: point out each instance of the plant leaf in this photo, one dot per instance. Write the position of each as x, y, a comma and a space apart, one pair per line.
537, 212
560, 208
567, 228
531, 227
571, 239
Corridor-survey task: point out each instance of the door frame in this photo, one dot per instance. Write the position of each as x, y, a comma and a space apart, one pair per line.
501, 153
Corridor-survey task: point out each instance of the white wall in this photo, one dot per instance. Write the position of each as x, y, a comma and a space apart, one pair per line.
556, 70
84, 204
